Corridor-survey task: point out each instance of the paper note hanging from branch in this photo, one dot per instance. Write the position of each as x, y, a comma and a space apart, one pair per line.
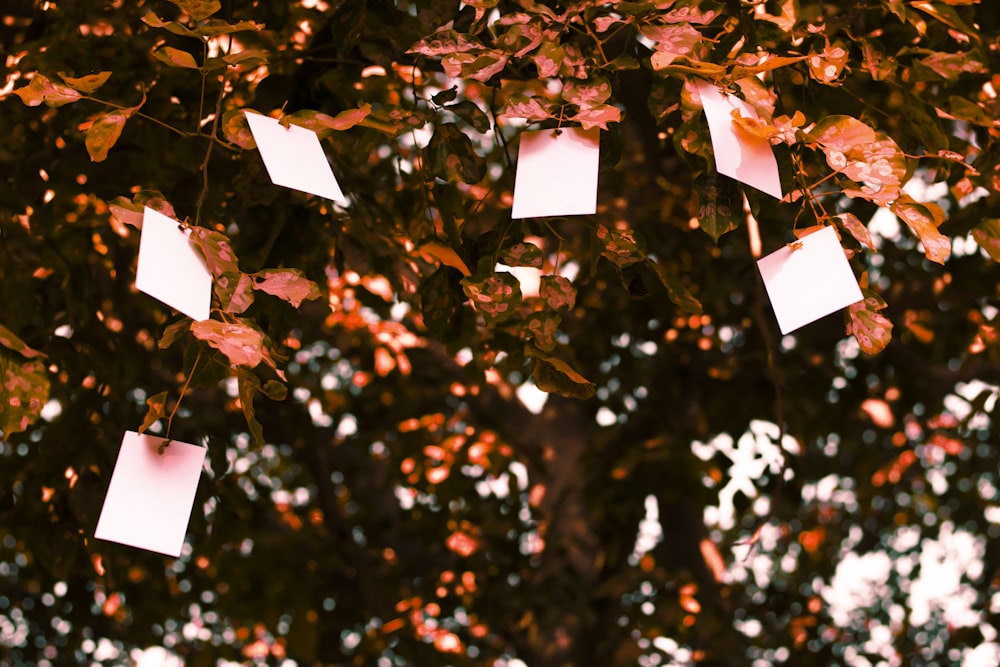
294, 158
557, 173
170, 269
808, 279
149, 499
738, 154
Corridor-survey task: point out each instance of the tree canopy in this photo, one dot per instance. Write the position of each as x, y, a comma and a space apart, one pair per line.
438, 434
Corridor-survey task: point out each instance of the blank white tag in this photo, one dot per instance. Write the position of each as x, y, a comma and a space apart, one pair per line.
170, 269
807, 283
149, 500
738, 154
294, 158
557, 173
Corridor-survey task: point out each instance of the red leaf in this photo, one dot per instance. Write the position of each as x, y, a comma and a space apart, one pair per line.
288, 284
242, 344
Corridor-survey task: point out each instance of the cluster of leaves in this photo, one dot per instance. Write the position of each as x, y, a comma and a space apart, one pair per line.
437, 518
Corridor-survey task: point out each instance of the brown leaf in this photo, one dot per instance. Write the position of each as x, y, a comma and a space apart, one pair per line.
157, 408
198, 9
103, 133
175, 57
87, 84
40, 90
857, 229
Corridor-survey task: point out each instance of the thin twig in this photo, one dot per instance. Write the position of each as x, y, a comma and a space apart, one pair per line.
187, 383
208, 151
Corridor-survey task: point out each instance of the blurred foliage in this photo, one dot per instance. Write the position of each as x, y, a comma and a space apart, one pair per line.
377, 493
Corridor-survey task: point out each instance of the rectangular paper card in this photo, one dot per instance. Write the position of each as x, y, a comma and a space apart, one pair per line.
170, 269
148, 504
294, 158
557, 173
807, 283
738, 154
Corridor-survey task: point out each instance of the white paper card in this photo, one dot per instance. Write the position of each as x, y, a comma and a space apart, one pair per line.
807, 283
170, 269
294, 158
557, 173
148, 504
738, 154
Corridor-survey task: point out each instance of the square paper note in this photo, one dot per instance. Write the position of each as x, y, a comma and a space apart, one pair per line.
294, 158
557, 173
807, 283
149, 501
170, 269
738, 154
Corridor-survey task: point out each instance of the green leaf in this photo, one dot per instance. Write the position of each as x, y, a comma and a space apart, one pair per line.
872, 330
215, 248
441, 303
557, 292
987, 235
554, 375
10, 340
236, 130
198, 9
288, 284
248, 385
324, 125
274, 390
471, 114
40, 90
173, 332
598, 115
720, 205
622, 247
155, 410
234, 291
104, 133
154, 21
541, 329
522, 106
679, 294
923, 220
87, 84
175, 57
496, 297
522, 254
240, 342
25, 391
452, 156
216, 27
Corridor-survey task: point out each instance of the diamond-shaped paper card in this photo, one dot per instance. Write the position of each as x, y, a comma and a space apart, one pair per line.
738, 154
170, 269
808, 279
149, 500
557, 173
294, 157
